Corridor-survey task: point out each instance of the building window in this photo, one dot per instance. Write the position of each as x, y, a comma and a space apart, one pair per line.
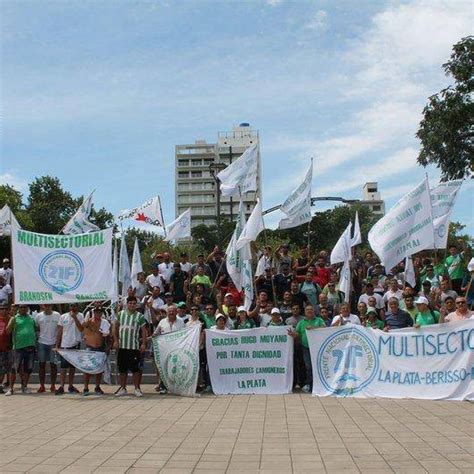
371, 190
196, 174
376, 207
183, 162
196, 162
183, 174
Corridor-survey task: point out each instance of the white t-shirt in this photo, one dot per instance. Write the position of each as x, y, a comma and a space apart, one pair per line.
155, 280
48, 327
392, 294
186, 267
6, 273
364, 298
265, 319
166, 327
166, 269
5, 291
351, 319
71, 335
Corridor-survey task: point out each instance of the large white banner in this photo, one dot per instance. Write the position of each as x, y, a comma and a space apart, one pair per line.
180, 228
406, 229
88, 362
249, 361
62, 268
443, 198
433, 362
177, 358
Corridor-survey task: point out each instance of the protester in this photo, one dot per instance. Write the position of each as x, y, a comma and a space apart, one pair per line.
6, 272
166, 268
425, 316
396, 318
455, 265
345, 317
47, 323
5, 346
462, 311
171, 323
243, 321
372, 321
5, 292
155, 280
276, 318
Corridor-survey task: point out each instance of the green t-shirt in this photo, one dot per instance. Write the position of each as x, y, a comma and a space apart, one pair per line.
281, 323
303, 324
24, 333
248, 324
129, 329
202, 279
455, 266
377, 324
208, 321
427, 318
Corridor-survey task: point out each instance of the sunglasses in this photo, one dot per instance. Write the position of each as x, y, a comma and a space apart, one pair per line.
460, 302
194, 309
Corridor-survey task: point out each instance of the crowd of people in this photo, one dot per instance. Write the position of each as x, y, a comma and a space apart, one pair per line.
301, 292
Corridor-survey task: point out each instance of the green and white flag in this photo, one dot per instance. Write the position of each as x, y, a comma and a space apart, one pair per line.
177, 359
88, 362
406, 229
79, 222
62, 268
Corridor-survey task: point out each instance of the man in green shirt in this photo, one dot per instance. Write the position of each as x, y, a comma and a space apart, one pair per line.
23, 329
456, 267
425, 316
130, 341
201, 278
208, 317
309, 322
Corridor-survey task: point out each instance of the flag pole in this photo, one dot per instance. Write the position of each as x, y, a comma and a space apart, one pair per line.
162, 217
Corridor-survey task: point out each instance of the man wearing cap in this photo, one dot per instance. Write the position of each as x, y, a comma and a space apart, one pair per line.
179, 283
182, 311
22, 328
309, 322
6, 272
276, 318
372, 321
462, 311
281, 258
220, 323
425, 316
168, 300
395, 318
69, 336
243, 320
47, 323
5, 292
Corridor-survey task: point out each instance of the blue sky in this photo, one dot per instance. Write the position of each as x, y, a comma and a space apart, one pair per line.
98, 93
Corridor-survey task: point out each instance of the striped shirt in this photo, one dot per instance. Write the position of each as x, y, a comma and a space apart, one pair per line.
129, 329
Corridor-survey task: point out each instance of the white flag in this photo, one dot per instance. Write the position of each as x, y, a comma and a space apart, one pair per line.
406, 229
345, 281
177, 359
241, 175
298, 204
136, 264
115, 270
180, 228
342, 250
247, 283
443, 198
409, 275
149, 213
234, 257
79, 222
357, 237
7, 219
88, 362
253, 227
124, 268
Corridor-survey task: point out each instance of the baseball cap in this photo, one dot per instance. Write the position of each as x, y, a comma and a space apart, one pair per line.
421, 300
5, 260
181, 304
275, 311
371, 310
241, 308
227, 294
219, 315
168, 293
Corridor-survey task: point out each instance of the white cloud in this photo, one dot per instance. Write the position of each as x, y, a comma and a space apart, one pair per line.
16, 182
317, 22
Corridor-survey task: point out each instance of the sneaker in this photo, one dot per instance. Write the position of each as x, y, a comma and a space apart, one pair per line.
85, 392
41, 389
306, 389
121, 392
163, 391
98, 391
59, 391
157, 388
72, 389
138, 393
9, 392
25, 390
52, 389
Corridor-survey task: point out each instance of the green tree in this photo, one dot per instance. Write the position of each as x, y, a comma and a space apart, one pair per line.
14, 199
446, 131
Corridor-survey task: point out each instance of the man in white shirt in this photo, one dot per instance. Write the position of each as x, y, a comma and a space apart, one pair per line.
184, 263
369, 291
152, 304
392, 292
6, 272
69, 337
166, 268
47, 324
5, 292
155, 279
171, 323
345, 317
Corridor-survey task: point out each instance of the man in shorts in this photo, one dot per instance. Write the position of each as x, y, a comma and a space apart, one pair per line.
5, 345
130, 337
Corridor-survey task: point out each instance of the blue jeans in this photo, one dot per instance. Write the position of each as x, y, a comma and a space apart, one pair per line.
309, 367
46, 353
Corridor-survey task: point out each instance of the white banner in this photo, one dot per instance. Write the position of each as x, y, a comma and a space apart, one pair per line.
79, 222
250, 361
357, 237
433, 362
177, 358
342, 250
298, 204
345, 280
149, 212
62, 268
241, 175
7, 219
443, 198
89, 362
124, 272
252, 228
137, 266
406, 229
180, 228
409, 274
247, 283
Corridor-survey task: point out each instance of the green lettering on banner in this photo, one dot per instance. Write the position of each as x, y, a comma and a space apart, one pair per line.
38, 296
77, 241
21, 236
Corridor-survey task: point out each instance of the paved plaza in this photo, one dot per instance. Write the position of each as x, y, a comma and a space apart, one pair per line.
251, 434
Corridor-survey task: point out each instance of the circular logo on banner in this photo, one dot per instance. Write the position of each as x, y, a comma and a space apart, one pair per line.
61, 271
180, 369
347, 362
441, 231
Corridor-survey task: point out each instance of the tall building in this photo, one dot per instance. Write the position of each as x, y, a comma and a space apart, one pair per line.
195, 167
372, 199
